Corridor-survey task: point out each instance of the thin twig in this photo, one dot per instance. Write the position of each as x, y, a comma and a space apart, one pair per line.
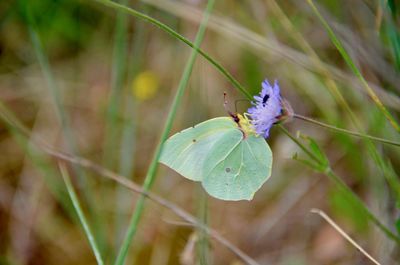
324, 125
346, 236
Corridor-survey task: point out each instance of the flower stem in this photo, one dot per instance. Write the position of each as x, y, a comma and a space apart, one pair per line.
341, 185
382, 140
176, 35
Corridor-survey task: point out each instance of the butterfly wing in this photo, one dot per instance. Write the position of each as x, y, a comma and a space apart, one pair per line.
186, 151
230, 166
243, 171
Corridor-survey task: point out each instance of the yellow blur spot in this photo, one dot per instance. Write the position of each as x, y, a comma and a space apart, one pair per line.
145, 85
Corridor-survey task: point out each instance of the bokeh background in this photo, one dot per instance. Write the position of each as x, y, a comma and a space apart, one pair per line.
101, 88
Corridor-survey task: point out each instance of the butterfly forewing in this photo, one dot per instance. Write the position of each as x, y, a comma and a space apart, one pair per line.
186, 151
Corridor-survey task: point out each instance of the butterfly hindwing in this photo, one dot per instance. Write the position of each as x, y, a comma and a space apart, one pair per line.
243, 171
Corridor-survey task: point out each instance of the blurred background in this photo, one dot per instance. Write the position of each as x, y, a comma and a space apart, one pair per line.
97, 83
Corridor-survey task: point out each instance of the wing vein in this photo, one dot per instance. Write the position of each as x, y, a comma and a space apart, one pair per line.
222, 160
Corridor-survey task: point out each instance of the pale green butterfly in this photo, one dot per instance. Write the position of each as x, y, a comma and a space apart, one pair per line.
224, 154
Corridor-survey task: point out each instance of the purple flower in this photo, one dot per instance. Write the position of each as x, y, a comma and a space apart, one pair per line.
267, 108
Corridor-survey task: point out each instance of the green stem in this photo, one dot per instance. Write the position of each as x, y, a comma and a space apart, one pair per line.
128, 137
302, 147
382, 140
342, 186
169, 30
150, 176
82, 218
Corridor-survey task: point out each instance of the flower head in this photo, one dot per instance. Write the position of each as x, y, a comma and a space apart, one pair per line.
267, 108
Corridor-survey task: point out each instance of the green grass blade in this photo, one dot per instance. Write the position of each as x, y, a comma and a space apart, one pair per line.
150, 176
21, 134
392, 29
81, 216
261, 46
113, 126
117, 82
350, 194
203, 252
354, 68
62, 116
50, 80
128, 133
128, 137
45, 66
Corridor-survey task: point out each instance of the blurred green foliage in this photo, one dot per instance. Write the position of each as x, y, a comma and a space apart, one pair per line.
251, 41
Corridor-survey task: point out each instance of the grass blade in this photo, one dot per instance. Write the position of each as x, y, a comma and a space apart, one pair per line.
203, 242
261, 46
128, 138
150, 176
61, 114
81, 216
354, 68
117, 81
176, 35
23, 137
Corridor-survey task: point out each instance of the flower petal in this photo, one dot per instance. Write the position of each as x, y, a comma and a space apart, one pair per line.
267, 107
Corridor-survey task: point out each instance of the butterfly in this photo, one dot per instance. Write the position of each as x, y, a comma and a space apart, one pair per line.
229, 155
230, 162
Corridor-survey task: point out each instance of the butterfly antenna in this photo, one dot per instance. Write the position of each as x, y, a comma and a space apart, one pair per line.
233, 115
226, 105
225, 102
